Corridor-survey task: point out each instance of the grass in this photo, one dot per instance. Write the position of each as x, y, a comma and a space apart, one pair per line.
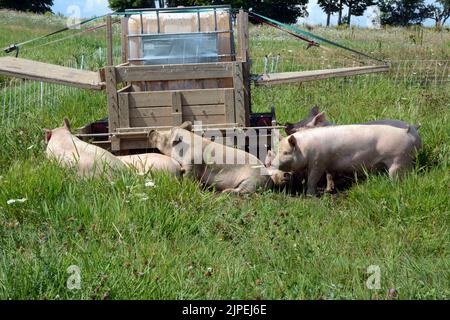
178, 241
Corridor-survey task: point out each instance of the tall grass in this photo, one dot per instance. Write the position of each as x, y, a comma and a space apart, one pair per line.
178, 241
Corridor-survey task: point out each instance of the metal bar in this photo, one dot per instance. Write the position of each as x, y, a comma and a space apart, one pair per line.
157, 21
198, 21
176, 33
167, 57
215, 19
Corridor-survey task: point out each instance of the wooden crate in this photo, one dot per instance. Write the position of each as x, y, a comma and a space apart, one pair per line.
159, 96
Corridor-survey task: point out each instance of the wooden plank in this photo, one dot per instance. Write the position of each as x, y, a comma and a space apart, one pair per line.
174, 72
52, 73
146, 130
243, 36
218, 109
124, 39
167, 121
124, 114
303, 76
109, 41
113, 105
244, 48
154, 112
188, 97
229, 105
206, 119
239, 106
177, 115
151, 121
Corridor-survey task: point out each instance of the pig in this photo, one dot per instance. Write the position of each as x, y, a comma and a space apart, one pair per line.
346, 149
317, 119
206, 161
143, 163
69, 151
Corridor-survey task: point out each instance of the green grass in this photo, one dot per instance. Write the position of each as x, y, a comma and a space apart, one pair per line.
131, 241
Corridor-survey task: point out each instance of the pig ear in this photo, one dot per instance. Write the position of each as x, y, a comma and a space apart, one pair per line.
270, 156
47, 135
289, 128
187, 125
318, 119
314, 111
66, 123
292, 141
153, 134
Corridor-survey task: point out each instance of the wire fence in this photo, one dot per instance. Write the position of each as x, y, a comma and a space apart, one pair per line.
19, 96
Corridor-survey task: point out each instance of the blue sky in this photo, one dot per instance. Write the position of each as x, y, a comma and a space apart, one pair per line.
89, 8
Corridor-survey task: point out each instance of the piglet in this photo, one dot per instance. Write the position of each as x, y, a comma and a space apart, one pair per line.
346, 149
69, 151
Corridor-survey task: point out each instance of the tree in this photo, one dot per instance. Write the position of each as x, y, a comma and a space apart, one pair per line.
37, 6
357, 7
329, 7
281, 10
122, 5
403, 12
340, 8
440, 12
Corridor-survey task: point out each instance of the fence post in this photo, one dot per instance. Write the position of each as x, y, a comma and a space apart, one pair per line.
42, 94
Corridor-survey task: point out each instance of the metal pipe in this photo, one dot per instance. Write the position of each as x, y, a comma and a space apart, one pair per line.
176, 33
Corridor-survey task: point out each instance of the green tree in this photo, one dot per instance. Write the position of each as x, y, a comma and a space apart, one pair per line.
357, 7
122, 5
403, 12
281, 10
37, 6
440, 12
329, 7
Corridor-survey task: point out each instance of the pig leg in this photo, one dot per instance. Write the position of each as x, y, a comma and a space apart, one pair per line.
314, 175
330, 183
398, 168
246, 186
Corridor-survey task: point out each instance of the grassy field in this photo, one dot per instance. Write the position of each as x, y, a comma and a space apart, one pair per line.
175, 240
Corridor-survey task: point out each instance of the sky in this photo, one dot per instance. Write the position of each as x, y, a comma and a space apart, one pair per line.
89, 8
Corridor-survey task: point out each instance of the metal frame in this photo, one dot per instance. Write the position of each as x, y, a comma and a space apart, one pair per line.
197, 9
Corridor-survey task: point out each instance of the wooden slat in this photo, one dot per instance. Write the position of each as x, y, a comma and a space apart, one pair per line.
109, 41
124, 39
218, 109
229, 105
174, 72
177, 116
206, 119
302, 76
111, 92
151, 121
243, 36
146, 130
188, 97
167, 121
46, 72
124, 114
239, 102
113, 105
